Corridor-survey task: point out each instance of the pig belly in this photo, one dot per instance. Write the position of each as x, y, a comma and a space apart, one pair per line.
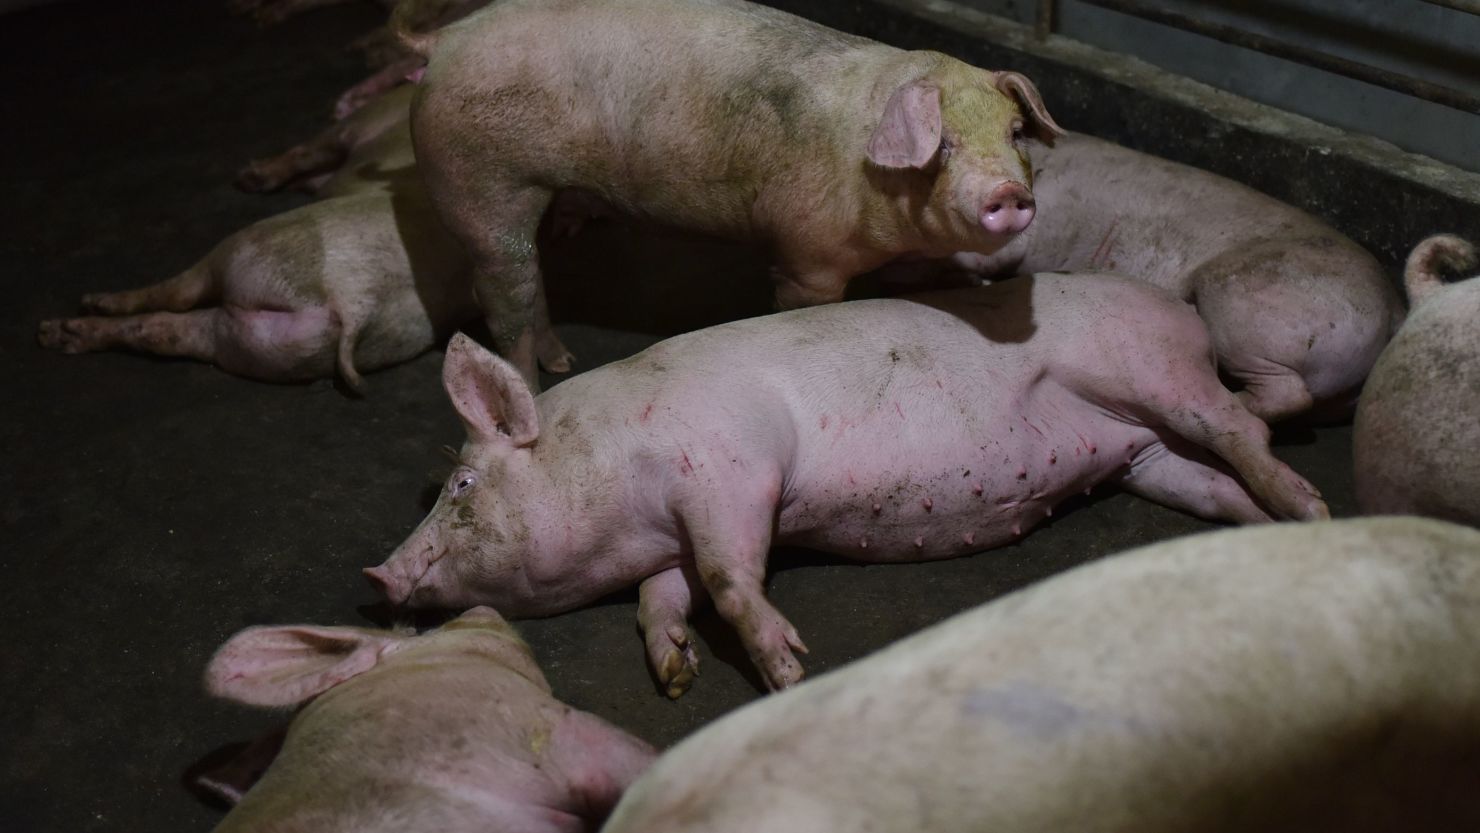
945, 491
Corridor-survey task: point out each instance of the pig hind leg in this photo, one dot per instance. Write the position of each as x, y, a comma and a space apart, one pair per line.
320, 155
1180, 475
260, 344
665, 601
187, 290
1208, 415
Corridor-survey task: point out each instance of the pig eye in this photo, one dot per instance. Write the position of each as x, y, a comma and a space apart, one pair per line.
946, 146
462, 483
1017, 131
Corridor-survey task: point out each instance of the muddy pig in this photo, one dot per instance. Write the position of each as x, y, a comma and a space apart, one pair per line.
882, 430
719, 116
454, 730
1416, 443
1297, 311
1288, 678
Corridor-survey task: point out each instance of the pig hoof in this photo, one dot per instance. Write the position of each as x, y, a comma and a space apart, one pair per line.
783, 672
675, 660
254, 179
63, 335
554, 358
100, 303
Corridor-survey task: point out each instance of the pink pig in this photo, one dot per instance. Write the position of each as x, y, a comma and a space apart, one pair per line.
883, 430
455, 730
1298, 313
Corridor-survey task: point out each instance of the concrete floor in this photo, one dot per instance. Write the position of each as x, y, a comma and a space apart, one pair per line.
152, 508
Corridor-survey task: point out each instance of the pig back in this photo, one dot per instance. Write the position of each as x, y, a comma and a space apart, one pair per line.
669, 108
1290, 677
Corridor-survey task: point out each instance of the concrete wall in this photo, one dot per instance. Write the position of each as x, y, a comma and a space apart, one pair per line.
1416, 38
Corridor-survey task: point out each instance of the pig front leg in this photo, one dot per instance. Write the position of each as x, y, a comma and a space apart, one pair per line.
1182, 476
805, 286
506, 270
730, 530
664, 603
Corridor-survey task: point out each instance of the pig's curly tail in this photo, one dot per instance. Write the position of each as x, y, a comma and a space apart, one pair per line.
401, 24
1431, 258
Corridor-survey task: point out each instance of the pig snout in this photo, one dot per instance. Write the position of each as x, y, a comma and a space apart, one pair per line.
388, 584
1009, 209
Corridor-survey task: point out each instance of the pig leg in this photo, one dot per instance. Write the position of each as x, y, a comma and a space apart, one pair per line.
1275, 394
231, 780
322, 154
807, 287
664, 602
506, 268
600, 761
260, 344
1180, 475
731, 539
387, 78
185, 291
1213, 418
552, 354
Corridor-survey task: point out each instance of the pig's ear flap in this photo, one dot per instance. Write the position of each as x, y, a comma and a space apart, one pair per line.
909, 134
489, 394
1041, 125
284, 666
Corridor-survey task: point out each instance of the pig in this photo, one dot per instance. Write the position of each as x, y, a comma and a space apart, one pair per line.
836, 153
1298, 312
362, 281
883, 430
454, 730
1299, 677
1416, 434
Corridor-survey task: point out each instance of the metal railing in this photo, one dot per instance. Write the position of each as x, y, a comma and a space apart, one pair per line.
1407, 84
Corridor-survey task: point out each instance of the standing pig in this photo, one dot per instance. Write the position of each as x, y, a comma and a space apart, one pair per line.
1294, 678
884, 430
1418, 424
721, 116
1298, 313
455, 730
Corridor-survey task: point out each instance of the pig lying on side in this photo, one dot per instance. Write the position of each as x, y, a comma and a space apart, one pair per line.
1293, 678
1416, 442
884, 430
1298, 312
719, 116
367, 279
455, 730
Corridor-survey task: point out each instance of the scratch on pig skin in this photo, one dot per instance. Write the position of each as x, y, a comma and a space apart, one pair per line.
646, 412
1102, 251
822, 423
685, 467
898, 410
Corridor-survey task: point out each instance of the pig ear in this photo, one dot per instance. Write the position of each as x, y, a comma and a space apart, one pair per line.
1040, 125
284, 666
909, 134
489, 394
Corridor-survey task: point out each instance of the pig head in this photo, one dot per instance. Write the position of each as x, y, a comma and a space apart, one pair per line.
968, 139
497, 519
